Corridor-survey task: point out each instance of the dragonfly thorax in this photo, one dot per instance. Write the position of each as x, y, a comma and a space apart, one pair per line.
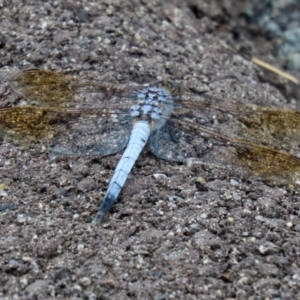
155, 104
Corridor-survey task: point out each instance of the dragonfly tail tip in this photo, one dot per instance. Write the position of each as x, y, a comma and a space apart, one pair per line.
97, 220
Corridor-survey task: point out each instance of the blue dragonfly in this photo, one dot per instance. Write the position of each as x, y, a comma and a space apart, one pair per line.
73, 116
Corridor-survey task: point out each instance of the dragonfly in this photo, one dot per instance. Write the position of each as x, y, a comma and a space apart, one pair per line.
72, 116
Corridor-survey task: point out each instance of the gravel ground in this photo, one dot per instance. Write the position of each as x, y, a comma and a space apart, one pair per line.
280, 21
177, 231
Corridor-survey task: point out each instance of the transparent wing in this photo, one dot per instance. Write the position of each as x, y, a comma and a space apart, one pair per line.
269, 126
256, 139
188, 140
85, 132
54, 89
70, 115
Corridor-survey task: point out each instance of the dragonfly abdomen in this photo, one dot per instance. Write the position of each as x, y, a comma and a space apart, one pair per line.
138, 138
